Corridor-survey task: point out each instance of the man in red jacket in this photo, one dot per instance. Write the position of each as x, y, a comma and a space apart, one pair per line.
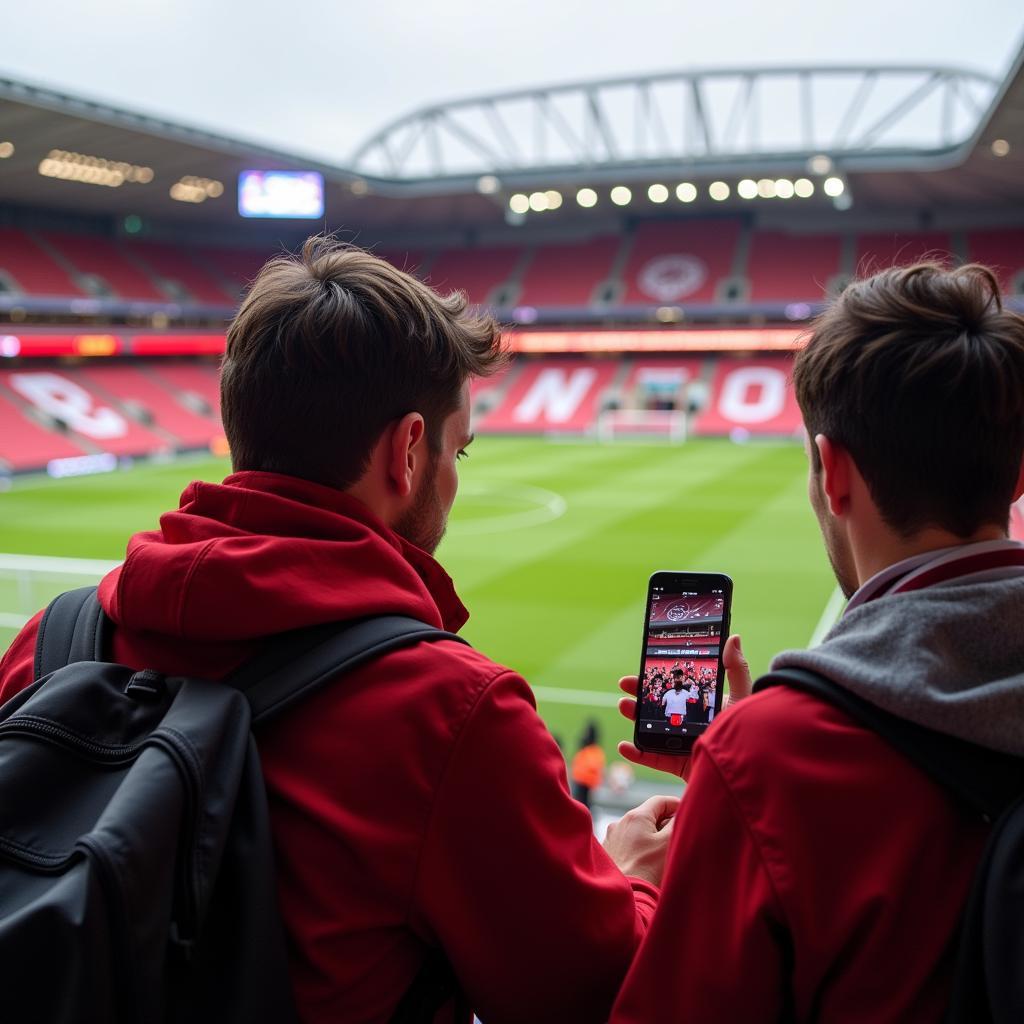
823, 872
419, 806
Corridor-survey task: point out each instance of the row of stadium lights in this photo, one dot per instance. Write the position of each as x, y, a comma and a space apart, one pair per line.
96, 170
686, 192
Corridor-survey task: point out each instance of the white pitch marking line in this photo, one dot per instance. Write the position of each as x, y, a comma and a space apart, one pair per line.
563, 695
828, 617
549, 506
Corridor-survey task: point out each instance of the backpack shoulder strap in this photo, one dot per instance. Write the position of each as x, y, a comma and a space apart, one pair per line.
986, 780
74, 627
295, 664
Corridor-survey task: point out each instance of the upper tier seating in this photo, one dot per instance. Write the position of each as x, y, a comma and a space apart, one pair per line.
567, 275
31, 268
792, 268
103, 258
680, 261
184, 268
236, 267
477, 272
1003, 250
886, 249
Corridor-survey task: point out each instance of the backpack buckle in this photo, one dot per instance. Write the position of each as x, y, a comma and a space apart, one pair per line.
147, 684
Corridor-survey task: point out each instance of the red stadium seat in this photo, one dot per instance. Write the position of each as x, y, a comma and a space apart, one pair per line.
24, 444
184, 268
792, 268
31, 268
568, 275
196, 378
136, 384
553, 395
477, 272
103, 258
236, 267
752, 395
888, 249
680, 261
1003, 251
65, 395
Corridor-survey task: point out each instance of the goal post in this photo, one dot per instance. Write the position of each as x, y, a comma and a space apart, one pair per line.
666, 425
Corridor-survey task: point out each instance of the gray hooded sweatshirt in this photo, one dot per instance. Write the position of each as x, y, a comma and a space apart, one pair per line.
949, 657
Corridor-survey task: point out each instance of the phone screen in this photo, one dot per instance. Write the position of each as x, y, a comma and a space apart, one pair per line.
682, 680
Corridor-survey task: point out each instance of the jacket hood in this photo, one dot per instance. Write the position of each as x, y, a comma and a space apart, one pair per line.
262, 553
949, 657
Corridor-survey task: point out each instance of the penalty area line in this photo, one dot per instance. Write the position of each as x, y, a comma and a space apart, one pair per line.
829, 617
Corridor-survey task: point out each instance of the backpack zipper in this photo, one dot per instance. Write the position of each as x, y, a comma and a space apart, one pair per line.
58, 735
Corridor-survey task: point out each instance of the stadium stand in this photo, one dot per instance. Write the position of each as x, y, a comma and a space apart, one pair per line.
198, 379
568, 275
785, 267
654, 376
66, 398
31, 269
752, 395
24, 444
677, 261
477, 272
1004, 252
234, 267
412, 261
553, 395
134, 386
887, 249
183, 270
102, 258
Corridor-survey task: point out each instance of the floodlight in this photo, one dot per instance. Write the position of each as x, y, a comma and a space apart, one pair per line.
586, 197
1000, 147
621, 196
538, 202
718, 190
834, 187
747, 188
820, 164
519, 203
487, 184
686, 192
803, 187
657, 193
554, 199
784, 188
766, 188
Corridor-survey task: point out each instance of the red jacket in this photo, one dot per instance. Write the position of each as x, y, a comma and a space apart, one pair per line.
815, 875
420, 802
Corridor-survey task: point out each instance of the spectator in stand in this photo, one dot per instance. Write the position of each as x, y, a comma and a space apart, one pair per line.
419, 808
841, 869
675, 700
587, 764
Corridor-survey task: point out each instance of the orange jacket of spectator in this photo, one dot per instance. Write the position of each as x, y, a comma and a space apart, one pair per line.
588, 766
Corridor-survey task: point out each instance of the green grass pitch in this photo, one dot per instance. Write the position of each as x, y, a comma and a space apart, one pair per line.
550, 546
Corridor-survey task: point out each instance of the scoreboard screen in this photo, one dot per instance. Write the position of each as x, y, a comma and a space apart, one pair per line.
295, 194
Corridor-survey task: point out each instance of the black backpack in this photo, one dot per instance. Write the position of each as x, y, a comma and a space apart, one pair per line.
136, 872
988, 979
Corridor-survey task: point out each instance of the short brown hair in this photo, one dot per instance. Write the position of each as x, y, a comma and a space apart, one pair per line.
331, 346
918, 372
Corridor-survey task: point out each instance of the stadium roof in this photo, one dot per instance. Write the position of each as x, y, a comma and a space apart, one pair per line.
893, 136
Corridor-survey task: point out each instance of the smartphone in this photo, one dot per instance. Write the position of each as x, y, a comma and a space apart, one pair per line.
681, 680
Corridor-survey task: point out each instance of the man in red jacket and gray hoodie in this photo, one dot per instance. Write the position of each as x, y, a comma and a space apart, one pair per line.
819, 873
419, 806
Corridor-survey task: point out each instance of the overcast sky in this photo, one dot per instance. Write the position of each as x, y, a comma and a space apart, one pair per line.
318, 77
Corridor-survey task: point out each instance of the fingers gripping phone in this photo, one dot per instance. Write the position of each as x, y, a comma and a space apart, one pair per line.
682, 679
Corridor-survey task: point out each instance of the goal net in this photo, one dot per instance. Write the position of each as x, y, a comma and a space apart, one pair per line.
642, 425
30, 582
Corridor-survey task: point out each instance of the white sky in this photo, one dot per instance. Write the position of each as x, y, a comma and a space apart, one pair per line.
318, 77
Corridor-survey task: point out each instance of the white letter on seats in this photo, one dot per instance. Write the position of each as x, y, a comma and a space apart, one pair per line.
65, 400
555, 396
738, 405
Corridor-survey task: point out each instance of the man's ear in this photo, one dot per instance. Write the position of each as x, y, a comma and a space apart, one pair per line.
835, 474
406, 452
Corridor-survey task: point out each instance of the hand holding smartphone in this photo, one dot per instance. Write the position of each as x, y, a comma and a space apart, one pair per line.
681, 683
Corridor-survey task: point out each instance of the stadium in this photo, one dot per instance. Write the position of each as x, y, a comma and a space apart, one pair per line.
656, 246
